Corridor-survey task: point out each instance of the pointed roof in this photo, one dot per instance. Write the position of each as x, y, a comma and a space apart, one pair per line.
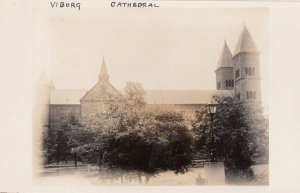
245, 43
43, 80
103, 75
225, 58
103, 89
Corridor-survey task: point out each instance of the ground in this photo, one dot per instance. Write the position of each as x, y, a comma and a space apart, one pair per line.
86, 175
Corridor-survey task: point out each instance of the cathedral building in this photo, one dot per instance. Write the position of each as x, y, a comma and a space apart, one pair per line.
236, 75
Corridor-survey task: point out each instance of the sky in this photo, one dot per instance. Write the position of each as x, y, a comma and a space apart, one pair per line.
164, 48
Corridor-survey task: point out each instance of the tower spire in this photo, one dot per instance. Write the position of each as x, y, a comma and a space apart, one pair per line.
103, 75
225, 58
224, 71
245, 42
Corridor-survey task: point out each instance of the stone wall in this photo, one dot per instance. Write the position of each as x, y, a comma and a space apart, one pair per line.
188, 111
92, 107
61, 114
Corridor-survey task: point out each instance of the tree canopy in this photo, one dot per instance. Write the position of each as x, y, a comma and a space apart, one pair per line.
129, 136
239, 131
134, 137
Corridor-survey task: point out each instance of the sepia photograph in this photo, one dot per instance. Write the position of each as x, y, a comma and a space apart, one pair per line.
162, 96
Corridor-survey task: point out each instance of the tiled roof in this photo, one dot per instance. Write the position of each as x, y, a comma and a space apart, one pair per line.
61, 96
225, 58
100, 91
151, 96
245, 43
183, 96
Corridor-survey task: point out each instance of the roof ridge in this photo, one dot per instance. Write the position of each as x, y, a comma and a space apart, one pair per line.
69, 89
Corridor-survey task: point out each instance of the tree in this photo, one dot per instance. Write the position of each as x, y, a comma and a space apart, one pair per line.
174, 141
126, 136
131, 137
56, 142
80, 143
240, 133
134, 94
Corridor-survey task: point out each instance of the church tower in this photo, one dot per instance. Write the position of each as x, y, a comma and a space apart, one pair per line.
43, 89
40, 115
246, 69
224, 71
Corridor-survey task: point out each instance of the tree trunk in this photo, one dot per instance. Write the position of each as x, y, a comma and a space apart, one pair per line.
121, 179
147, 178
140, 177
75, 160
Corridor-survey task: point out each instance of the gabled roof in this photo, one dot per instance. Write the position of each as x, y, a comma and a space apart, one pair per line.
100, 91
225, 58
151, 97
103, 89
245, 43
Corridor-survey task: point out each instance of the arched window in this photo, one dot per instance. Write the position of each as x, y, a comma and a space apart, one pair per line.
253, 71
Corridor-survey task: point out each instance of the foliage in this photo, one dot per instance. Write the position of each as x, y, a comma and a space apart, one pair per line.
56, 142
239, 131
69, 141
134, 94
129, 136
